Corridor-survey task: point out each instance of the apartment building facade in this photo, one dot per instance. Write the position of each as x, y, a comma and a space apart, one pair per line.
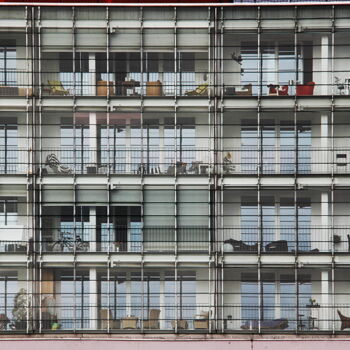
176, 172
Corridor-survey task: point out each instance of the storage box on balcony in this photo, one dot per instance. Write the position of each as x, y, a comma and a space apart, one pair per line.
154, 88
102, 88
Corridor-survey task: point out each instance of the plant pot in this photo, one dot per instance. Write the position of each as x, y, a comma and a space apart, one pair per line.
336, 239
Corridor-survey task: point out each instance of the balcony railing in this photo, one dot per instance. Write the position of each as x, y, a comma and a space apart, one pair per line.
287, 160
15, 82
151, 239
151, 84
122, 160
192, 161
66, 316
283, 317
13, 160
285, 239
234, 240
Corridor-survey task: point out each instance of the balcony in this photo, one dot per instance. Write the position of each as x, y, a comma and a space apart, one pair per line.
285, 239
122, 239
122, 160
188, 161
15, 82
286, 160
127, 75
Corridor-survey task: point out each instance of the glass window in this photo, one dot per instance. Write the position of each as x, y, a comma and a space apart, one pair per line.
9, 158
75, 146
74, 300
8, 291
8, 212
8, 74
113, 295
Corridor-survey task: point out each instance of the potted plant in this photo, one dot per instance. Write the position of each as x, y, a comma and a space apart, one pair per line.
21, 310
313, 303
336, 239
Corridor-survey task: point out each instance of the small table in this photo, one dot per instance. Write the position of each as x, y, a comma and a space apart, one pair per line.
181, 324
314, 317
129, 322
129, 85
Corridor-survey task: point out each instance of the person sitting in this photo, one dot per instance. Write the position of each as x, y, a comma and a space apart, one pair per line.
228, 165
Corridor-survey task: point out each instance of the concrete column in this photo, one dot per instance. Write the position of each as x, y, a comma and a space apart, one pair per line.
324, 65
325, 301
93, 139
324, 238
325, 156
92, 229
92, 74
93, 300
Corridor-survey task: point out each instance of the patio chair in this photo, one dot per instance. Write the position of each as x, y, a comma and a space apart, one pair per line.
53, 165
56, 88
107, 320
153, 320
3, 322
202, 322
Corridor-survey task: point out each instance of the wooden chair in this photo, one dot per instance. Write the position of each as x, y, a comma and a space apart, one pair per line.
181, 324
203, 321
153, 320
107, 320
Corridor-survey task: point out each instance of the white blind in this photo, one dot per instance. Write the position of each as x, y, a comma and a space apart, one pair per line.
57, 196
192, 38
91, 196
125, 196
193, 207
159, 207
91, 39
159, 38
59, 39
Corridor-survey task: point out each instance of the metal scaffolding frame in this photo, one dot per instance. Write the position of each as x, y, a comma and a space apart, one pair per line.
217, 261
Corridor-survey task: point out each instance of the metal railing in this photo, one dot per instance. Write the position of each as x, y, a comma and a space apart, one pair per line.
186, 160
65, 316
122, 160
114, 240
134, 85
287, 160
241, 239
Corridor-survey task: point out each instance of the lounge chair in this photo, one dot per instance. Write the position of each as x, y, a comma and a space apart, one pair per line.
56, 88
345, 321
53, 165
200, 90
240, 246
153, 320
279, 323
